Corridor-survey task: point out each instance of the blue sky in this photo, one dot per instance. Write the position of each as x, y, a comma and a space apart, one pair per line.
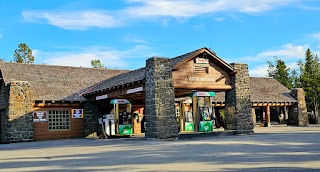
124, 33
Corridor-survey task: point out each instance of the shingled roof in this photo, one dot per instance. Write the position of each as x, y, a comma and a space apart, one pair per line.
55, 82
264, 90
139, 74
129, 77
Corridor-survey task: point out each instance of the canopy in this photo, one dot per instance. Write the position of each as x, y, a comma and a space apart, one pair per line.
119, 101
203, 94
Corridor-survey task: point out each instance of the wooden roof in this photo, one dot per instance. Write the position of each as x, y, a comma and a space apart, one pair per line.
55, 82
264, 90
139, 74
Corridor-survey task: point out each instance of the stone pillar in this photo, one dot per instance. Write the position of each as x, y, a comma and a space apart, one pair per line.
159, 95
238, 102
20, 117
268, 123
298, 112
4, 103
254, 118
92, 113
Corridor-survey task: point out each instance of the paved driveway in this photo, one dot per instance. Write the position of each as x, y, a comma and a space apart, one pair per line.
271, 149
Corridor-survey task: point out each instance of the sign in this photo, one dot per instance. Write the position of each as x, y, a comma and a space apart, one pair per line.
77, 113
120, 101
200, 79
204, 94
102, 97
188, 101
202, 60
40, 116
134, 90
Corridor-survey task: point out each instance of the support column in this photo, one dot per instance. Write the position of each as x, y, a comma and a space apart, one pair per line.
298, 112
238, 102
159, 95
92, 113
20, 117
268, 123
254, 118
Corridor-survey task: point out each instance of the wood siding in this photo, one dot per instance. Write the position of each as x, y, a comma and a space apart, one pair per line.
42, 132
215, 79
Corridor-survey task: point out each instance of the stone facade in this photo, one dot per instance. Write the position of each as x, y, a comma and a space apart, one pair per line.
298, 112
4, 100
19, 126
238, 103
159, 95
91, 117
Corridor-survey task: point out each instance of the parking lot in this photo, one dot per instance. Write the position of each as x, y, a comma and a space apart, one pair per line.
278, 148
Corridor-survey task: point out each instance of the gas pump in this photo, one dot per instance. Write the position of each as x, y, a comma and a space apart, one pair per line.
204, 110
122, 116
188, 115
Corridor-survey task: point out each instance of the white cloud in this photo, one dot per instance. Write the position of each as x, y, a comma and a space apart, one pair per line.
316, 35
74, 20
261, 71
287, 51
109, 57
134, 39
190, 8
0, 35
35, 52
140, 9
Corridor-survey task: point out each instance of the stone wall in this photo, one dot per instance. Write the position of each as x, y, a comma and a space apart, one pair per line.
238, 103
159, 95
4, 102
20, 118
298, 112
92, 113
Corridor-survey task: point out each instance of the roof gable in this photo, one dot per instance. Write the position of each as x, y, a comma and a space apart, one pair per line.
177, 61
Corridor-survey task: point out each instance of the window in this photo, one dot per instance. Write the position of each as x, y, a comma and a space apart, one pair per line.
59, 119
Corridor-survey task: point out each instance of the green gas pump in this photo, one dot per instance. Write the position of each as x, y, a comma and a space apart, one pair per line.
205, 110
122, 116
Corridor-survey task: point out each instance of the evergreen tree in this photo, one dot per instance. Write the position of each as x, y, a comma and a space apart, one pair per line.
96, 64
23, 54
310, 80
280, 72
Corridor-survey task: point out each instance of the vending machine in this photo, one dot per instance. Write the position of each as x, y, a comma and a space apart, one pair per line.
122, 116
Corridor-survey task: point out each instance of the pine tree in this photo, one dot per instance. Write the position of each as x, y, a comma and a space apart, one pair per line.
280, 72
310, 80
97, 64
23, 54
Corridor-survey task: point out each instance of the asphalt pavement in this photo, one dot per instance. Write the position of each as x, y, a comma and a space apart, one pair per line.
278, 148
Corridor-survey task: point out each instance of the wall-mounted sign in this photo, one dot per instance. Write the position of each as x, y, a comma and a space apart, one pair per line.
77, 113
102, 97
40, 116
134, 90
202, 60
201, 79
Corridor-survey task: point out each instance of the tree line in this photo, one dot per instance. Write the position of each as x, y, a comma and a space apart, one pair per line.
23, 54
307, 76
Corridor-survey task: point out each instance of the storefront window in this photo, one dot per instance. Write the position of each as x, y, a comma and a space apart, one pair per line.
59, 119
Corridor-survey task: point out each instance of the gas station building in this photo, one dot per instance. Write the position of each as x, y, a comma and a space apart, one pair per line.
196, 92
